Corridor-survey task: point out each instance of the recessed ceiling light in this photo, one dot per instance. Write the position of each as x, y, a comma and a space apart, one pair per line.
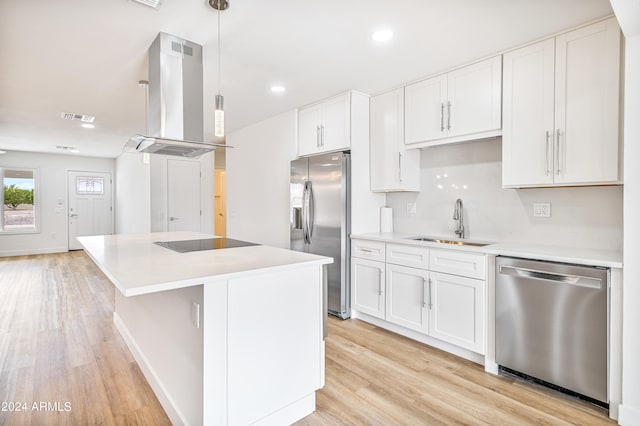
277, 89
87, 125
382, 35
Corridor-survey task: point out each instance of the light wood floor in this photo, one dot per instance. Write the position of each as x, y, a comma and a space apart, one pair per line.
58, 345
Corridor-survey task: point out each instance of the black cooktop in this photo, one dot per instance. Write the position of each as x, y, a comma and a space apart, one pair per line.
206, 244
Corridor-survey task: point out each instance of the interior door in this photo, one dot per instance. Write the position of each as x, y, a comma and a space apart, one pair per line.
220, 202
183, 195
90, 205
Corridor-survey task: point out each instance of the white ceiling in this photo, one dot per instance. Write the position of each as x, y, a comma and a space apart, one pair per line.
86, 56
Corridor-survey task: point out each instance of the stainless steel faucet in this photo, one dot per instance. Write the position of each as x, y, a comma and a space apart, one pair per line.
457, 215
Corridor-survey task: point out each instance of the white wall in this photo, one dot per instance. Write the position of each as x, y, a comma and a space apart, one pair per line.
628, 14
52, 181
133, 194
258, 169
587, 217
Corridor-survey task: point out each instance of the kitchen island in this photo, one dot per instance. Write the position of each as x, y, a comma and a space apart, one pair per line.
227, 336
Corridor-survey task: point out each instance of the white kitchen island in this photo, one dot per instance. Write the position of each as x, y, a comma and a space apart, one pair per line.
224, 337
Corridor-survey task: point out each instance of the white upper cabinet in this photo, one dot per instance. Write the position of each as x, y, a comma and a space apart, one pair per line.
325, 126
561, 110
464, 104
392, 167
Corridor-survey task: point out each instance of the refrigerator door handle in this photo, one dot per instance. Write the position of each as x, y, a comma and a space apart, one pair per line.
310, 211
305, 213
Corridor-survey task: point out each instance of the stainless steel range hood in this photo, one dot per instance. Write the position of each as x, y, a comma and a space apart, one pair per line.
175, 112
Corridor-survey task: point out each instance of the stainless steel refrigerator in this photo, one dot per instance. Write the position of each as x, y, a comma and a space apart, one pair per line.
320, 211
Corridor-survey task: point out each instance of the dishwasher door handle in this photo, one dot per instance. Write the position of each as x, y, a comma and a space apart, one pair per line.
551, 276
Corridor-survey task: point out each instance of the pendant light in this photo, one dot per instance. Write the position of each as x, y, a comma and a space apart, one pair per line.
219, 5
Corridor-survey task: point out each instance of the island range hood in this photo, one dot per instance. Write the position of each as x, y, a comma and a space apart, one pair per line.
175, 100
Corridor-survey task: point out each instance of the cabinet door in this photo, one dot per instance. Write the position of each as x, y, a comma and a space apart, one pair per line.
406, 303
474, 98
335, 127
424, 108
368, 286
392, 169
457, 311
527, 134
309, 120
587, 102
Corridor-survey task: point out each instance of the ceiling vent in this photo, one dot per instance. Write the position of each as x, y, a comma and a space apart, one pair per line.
151, 3
67, 148
81, 117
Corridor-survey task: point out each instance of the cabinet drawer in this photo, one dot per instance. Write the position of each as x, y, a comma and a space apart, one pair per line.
365, 249
406, 255
460, 263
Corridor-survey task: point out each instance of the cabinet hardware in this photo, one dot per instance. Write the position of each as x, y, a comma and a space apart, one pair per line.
449, 116
558, 150
430, 304
317, 136
400, 166
548, 138
424, 283
322, 136
366, 250
380, 284
441, 117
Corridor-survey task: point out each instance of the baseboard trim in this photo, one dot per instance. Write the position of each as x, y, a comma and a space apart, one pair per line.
158, 388
628, 416
422, 338
29, 252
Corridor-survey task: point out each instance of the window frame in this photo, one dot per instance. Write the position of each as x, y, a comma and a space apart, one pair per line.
36, 201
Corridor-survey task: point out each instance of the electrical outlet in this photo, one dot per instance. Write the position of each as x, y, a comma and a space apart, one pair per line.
195, 313
541, 209
411, 208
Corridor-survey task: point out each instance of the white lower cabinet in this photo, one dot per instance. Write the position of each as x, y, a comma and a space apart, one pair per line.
368, 286
407, 292
443, 297
457, 310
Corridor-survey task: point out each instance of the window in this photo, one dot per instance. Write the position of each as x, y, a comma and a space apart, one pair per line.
18, 200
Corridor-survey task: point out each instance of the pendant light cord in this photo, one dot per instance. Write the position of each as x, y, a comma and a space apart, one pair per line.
219, 52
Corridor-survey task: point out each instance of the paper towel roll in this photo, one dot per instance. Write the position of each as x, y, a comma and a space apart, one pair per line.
386, 219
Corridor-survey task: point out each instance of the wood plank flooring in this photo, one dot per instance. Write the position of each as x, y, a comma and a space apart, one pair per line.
58, 345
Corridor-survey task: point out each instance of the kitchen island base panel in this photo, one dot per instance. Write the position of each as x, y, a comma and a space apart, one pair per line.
161, 334
257, 358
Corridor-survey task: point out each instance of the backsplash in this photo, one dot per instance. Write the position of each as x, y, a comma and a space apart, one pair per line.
588, 217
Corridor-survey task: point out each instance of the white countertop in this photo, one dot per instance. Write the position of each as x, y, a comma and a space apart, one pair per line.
576, 255
137, 266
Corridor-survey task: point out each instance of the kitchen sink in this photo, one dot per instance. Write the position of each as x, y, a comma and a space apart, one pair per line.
454, 242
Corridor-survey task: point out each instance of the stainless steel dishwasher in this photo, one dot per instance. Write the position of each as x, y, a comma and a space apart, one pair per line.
552, 324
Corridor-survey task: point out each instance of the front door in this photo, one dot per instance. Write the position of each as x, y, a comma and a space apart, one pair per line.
183, 195
90, 205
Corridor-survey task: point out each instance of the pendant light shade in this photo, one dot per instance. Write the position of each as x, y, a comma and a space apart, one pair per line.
219, 116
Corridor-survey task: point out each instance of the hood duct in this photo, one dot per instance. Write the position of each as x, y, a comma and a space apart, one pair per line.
175, 100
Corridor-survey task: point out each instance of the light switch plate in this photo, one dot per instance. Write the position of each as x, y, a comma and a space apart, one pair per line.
541, 209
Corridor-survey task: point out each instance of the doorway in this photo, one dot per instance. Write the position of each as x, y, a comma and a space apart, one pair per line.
183, 195
220, 202
90, 207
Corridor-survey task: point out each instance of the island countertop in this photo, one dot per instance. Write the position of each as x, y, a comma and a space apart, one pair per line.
137, 266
